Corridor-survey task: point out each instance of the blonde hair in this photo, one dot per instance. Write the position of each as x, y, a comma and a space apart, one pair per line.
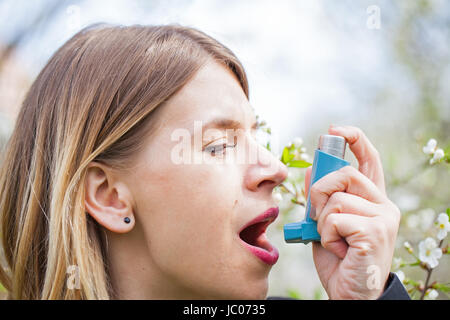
93, 101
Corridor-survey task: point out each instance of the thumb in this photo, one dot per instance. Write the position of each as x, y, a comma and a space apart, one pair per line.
307, 180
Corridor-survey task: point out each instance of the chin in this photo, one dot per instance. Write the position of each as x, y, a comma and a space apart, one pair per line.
253, 291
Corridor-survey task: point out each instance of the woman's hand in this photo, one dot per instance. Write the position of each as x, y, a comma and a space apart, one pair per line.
357, 222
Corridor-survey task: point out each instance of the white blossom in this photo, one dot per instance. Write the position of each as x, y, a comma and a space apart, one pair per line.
429, 252
438, 155
443, 225
304, 157
400, 275
408, 246
298, 142
431, 294
277, 197
430, 147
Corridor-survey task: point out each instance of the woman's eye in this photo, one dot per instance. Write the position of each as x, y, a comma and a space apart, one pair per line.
218, 148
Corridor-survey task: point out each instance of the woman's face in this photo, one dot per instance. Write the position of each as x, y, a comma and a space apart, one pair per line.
191, 214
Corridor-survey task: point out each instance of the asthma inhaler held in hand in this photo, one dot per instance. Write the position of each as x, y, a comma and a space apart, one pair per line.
328, 157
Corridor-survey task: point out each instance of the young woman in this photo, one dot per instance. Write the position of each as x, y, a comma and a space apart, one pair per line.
96, 204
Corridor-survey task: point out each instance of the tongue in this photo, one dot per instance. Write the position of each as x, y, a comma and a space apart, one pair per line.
254, 235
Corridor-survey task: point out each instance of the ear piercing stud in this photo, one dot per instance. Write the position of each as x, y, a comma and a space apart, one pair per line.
126, 220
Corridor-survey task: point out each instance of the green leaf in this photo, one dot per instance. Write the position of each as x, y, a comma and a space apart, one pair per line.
447, 150
441, 287
268, 146
299, 164
285, 155
317, 294
294, 294
448, 212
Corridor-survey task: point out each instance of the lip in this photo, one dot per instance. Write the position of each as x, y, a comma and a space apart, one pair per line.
268, 253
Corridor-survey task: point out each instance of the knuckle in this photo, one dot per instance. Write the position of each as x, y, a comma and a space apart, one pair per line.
350, 173
326, 240
347, 169
331, 220
335, 203
365, 249
380, 232
362, 230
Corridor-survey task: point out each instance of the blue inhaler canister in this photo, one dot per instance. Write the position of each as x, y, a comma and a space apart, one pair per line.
328, 157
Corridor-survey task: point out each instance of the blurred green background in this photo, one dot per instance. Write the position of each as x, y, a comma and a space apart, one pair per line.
380, 65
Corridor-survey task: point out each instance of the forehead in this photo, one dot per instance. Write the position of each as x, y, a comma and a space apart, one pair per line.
214, 91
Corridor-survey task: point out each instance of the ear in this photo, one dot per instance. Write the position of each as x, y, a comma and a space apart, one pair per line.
108, 201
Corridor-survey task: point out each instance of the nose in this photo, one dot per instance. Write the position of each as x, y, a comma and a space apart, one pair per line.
267, 173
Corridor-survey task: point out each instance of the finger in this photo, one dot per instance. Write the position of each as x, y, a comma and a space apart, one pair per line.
346, 202
307, 180
367, 155
342, 230
347, 179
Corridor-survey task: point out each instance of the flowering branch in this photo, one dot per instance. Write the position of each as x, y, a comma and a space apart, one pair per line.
429, 270
429, 251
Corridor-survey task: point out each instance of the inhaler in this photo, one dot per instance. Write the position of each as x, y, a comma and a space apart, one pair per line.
328, 157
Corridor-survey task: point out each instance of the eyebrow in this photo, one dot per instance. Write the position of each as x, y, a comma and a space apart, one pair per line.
225, 123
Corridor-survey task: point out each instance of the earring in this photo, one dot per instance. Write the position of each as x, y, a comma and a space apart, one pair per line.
126, 220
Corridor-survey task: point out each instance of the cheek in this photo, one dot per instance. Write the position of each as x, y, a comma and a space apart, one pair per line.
188, 218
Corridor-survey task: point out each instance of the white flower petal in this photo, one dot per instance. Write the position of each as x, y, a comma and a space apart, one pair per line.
277, 197
441, 234
432, 143
422, 246
438, 154
304, 157
433, 263
427, 150
432, 294
437, 253
401, 275
423, 257
298, 142
443, 218
430, 243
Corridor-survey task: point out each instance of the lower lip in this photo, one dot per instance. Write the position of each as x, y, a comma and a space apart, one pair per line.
269, 257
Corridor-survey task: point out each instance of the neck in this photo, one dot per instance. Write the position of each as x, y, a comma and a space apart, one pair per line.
134, 273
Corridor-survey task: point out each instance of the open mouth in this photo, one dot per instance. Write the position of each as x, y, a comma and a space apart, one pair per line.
253, 235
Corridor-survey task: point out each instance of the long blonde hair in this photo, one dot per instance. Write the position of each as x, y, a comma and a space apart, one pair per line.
92, 101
